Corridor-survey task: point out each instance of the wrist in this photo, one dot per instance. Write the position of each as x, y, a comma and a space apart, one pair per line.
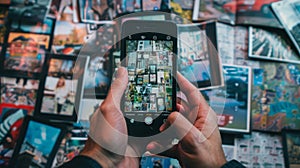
104, 157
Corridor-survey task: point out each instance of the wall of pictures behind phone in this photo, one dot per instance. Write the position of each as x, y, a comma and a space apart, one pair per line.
38, 39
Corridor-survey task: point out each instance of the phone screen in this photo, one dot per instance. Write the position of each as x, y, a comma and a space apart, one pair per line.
151, 87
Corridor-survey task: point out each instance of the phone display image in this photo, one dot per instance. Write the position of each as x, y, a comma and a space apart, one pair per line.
148, 52
150, 71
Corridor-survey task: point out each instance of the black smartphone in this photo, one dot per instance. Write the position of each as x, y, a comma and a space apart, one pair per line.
148, 51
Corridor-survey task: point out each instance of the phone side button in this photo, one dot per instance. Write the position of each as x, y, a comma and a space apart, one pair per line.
148, 120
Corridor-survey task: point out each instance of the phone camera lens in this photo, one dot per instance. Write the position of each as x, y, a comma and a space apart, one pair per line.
168, 38
154, 37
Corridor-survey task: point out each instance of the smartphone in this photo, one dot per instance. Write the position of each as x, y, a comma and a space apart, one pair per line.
148, 51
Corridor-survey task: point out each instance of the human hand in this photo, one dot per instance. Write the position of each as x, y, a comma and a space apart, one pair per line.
108, 140
196, 123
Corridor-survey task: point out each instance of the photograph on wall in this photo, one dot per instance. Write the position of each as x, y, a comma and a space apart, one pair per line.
271, 45
31, 11
195, 54
54, 8
11, 119
96, 11
207, 9
37, 144
233, 99
98, 73
69, 148
45, 26
25, 53
247, 12
260, 150
60, 89
3, 15
97, 77
129, 6
276, 97
74, 146
288, 12
87, 108
20, 91
68, 36
291, 147
5, 2
157, 5
161, 162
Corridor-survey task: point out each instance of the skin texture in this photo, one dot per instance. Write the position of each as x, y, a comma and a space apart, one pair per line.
196, 122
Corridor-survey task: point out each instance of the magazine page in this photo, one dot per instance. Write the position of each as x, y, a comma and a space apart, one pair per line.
208, 9
254, 12
241, 48
225, 36
288, 12
259, 150
271, 44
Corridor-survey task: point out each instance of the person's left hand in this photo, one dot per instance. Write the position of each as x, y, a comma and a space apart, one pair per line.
108, 139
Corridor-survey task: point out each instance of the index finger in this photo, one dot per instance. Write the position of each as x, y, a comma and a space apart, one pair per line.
193, 95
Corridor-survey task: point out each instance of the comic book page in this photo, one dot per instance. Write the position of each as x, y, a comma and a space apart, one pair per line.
260, 150
276, 97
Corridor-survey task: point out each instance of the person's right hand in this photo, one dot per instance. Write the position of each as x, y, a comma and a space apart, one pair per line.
196, 123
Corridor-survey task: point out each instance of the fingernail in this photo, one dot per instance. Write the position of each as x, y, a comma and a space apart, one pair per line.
162, 127
120, 72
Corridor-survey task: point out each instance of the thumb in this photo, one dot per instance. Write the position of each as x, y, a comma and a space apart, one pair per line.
117, 87
183, 128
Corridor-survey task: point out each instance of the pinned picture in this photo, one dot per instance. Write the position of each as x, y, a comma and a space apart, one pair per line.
37, 144
19, 91
25, 53
96, 11
11, 120
152, 98
291, 147
128, 106
161, 104
153, 78
152, 68
60, 89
